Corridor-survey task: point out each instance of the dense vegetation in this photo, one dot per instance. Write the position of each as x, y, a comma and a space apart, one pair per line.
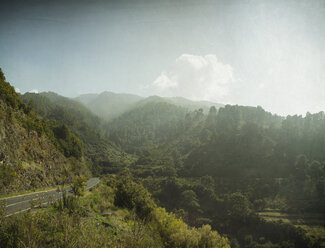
118, 213
108, 105
145, 126
224, 166
214, 169
34, 151
103, 154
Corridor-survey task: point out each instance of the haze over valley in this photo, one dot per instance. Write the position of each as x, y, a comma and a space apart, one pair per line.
255, 53
164, 124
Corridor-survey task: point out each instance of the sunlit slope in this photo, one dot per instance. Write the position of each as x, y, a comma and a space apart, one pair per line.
108, 105
148, 124
34, 152
86, 125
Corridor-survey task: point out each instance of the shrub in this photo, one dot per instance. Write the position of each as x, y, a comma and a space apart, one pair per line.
175, 233
78, 186
69, 203
133, 196
8, 93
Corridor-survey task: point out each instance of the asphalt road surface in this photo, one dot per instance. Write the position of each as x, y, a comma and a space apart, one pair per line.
22, 203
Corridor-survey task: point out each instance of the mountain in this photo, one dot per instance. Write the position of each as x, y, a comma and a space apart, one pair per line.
224, 166
213, 167
154, 121
102, 153
86, 98
150, 122
108, 105
193, 105
184, 103
63, 109
34, 152
46, 140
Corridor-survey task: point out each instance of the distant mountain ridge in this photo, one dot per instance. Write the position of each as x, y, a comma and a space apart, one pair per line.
193, 105
110, 105
81, 121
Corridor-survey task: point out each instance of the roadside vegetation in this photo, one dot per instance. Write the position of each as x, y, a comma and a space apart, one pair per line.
35, 152
105, 217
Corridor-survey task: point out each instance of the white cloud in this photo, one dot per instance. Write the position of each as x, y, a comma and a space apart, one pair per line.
35, 91
164, 82
195, 77
17, 90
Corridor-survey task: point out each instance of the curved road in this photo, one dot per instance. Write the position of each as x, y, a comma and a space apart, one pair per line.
22, 203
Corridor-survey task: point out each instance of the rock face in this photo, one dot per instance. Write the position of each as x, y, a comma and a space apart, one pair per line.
27, 160
34, 151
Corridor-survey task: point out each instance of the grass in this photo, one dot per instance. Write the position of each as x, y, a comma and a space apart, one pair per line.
70, 223
312, 223
316, 232
31, 165
309, 219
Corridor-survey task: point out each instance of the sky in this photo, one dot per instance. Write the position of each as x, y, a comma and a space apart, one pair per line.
254, 52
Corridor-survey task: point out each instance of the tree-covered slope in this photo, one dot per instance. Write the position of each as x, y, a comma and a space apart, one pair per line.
71, 113
193, 105
219, 167
148, 124
117, 213
223, 167
102, 153
109, 105
34, 152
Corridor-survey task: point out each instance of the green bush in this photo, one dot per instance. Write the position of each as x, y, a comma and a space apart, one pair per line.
7, 175
78, 186
69, 203
8, 93
133, 196
33, 125
175, 233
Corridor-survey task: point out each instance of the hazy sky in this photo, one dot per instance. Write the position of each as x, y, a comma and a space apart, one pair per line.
269, 53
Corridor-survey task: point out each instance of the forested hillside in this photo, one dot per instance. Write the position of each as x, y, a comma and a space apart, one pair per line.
103, 154
149, 124
231, 168
38, 151
34, 152
108, 105
219, 167
193, 105
117, 213
225, 166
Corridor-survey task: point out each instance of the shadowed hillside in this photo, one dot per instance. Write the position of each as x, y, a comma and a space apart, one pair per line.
108, 105
103, 154
34, 151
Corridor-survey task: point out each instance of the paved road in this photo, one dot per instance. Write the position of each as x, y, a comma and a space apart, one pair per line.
18, 204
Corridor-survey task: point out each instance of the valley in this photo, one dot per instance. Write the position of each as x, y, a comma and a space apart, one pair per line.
162, 124
220, 168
